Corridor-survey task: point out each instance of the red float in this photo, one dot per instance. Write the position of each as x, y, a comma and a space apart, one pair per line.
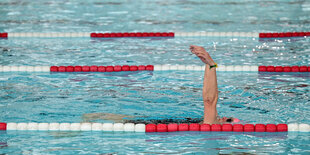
248, 128
85, 68
271, 128
152, 34
149, 67
145, 34
113, 35
157, 34
183, 127
125, 34
119, 35
106, 35
171, 34
282, 127
262, 35
216, 127
54, 69
281, 35
288, 34
133, 68
162, 128
295, 69
78, 68
268, 35
109, 69
139, 34
62, 69
227, 127
301, 34
262, 68
275, 35
100, 35
270, 68
93, 35
101, 69
164, 34
132, 34
238, 128
205, 127
2, 126
125, 68
70, 69
287, 69
278, 69
303, 69
94, 68
150, 128
141, 68
295, 34
172, 127
4, 35
194, 127
117, 68
260, 128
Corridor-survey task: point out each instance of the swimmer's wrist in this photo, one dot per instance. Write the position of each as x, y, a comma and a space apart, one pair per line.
213, 66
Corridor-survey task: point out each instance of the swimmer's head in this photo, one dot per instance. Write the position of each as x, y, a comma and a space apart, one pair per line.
236, 120
232, 120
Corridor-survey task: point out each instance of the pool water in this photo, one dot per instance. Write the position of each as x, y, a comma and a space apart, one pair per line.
64, 97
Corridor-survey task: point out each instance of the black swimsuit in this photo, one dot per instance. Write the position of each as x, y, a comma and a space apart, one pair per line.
168, 121
164, 121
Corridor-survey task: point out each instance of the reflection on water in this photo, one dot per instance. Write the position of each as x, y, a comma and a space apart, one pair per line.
162, 143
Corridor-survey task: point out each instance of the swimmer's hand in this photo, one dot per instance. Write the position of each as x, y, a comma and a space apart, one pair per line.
201, 53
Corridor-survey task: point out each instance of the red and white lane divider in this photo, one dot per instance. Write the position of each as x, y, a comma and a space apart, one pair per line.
153, 34
284, 68
119, 68
128, 34
132, 34
130, 127
3, 35
284, 34
86, 34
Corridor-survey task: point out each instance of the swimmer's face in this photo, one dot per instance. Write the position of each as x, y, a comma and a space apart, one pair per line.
229, 120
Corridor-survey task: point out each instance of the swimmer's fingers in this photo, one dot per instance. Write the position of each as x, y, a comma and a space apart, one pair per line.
195, 46
191, 47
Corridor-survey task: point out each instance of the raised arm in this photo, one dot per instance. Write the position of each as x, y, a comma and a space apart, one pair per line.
210, 90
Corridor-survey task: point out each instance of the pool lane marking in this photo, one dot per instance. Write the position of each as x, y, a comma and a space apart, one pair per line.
119, 68
173, 127
152, 34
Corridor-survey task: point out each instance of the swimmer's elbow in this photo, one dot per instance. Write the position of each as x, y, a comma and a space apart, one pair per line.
210, 101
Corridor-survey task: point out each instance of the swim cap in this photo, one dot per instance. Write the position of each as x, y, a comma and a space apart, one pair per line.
236, 120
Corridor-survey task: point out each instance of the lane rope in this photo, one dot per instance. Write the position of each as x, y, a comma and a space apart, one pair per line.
152, 34
119, 68
173, 127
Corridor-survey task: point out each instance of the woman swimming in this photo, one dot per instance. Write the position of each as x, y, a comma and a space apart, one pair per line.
209, 93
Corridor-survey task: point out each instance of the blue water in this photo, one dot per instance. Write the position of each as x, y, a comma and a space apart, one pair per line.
65, 97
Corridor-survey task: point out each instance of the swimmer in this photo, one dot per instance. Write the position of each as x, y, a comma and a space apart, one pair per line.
210, 97
210, 89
